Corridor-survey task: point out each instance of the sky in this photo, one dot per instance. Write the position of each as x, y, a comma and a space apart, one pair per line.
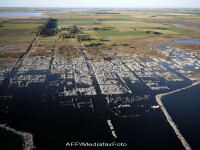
102, 3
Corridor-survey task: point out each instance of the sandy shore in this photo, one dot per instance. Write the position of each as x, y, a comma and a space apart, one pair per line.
169, 119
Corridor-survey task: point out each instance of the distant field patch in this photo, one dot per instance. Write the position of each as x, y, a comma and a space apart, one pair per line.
160, 31
17, 39
114, 19
20, 26
94, 16
179, 30
77, 19
107, 13
135, 33
168, 15
132, 24
124, 39
109, 33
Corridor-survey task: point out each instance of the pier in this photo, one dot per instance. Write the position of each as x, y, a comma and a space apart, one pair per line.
169, 119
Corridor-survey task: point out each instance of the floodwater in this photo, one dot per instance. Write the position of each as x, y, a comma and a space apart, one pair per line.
21, 15
53, 120
39, 110
184, 108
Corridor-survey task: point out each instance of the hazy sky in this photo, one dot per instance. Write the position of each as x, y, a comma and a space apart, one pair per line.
100, 3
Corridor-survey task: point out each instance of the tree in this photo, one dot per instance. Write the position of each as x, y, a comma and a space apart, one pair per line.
77, 37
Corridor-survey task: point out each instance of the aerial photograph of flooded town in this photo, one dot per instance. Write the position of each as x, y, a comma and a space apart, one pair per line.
89, 74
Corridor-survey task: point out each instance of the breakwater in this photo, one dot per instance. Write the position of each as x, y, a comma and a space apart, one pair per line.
169, 119
28, 137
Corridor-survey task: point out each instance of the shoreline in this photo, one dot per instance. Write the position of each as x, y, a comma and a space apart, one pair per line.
169, 119
27, 137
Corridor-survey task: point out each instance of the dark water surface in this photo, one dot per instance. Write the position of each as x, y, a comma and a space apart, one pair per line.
37, 109
184, 107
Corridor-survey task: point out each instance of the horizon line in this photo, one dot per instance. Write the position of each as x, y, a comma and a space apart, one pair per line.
88, 7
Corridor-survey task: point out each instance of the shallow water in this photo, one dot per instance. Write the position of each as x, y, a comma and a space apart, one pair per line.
187, 42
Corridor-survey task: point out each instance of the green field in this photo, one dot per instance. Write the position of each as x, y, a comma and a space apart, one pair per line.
110, 28
76, 19
120, 28
109, 33
114, 19
179, 30
135, 33
20, 26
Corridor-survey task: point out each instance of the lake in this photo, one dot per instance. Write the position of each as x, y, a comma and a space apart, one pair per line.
21, 15
187, 42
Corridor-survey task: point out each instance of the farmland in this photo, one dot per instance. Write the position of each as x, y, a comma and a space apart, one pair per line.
20, 26
110, 33
104, 28
111, 28
16, 36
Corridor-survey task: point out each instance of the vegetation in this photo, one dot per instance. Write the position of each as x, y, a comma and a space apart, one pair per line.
102, 28
114, 19
19, 26
19, 30
76, 19
112, 13
110, 27
93, 44
71, 32
47, 29
179, 30
109, 33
